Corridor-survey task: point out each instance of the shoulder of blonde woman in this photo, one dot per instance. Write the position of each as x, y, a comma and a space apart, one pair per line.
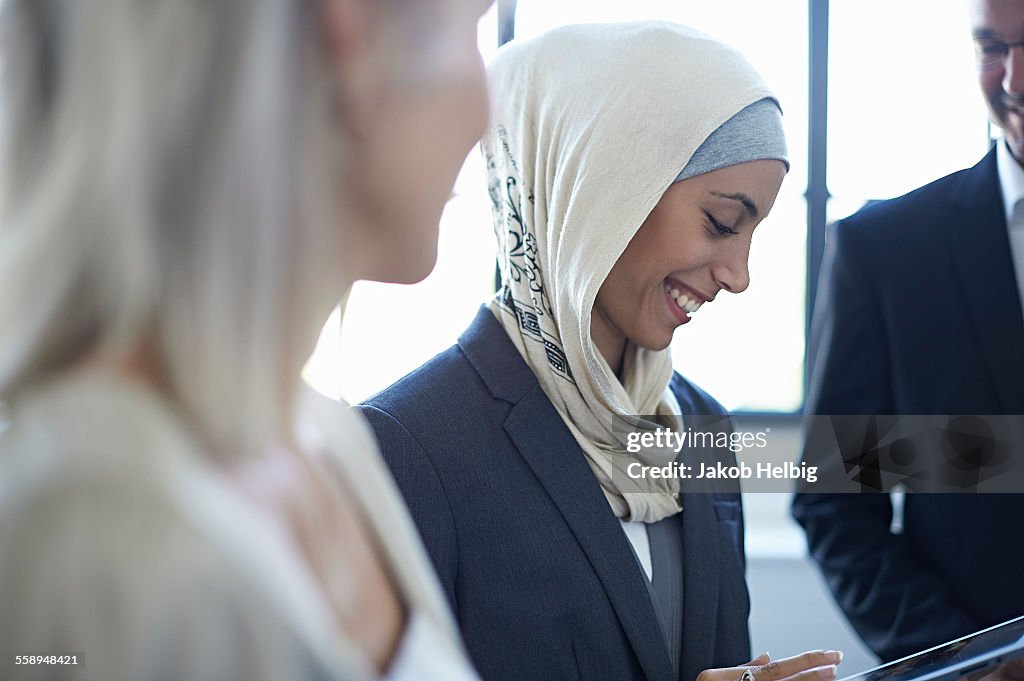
118, 543
347, 448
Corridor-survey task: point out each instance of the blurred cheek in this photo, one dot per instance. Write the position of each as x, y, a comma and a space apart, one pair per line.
992, 87
417, 151
454, 74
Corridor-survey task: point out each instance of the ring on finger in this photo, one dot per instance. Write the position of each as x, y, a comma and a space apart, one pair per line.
748, 675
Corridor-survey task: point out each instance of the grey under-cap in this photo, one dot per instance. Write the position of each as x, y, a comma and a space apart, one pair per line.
752, 134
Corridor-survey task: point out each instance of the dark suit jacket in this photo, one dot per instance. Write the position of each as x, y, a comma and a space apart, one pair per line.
919, 313
539, 573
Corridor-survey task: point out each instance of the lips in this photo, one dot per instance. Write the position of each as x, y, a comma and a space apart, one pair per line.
693, 293
679, 314
683, 301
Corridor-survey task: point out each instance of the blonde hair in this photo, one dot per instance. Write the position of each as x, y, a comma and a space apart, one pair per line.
168, 186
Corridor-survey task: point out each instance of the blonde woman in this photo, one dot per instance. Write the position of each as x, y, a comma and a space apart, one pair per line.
190, 186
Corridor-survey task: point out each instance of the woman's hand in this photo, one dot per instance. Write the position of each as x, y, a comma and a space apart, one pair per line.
814, 665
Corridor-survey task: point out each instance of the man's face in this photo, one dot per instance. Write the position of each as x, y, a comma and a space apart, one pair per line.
1003, 82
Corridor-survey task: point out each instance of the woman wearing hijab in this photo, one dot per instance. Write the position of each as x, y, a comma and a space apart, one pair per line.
628, 167
189, 187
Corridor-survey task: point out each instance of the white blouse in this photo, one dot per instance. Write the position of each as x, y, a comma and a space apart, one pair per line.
417, 658
121, 545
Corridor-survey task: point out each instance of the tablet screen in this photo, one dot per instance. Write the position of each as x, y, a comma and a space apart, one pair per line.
988, 647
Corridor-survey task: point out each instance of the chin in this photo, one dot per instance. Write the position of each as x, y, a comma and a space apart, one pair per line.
413, 274
653, 341
404, 266
1016, 144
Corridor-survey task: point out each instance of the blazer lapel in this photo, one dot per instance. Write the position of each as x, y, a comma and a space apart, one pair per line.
700, 549
700, 583
981, 253
548, 447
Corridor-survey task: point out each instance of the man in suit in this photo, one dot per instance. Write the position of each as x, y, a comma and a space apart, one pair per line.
920, 313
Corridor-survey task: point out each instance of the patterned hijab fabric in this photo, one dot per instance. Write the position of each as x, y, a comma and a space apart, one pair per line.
590, 126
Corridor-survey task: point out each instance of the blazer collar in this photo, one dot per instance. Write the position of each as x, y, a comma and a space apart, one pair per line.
491, 352
543, 440
547, 446
701, 573
980, 249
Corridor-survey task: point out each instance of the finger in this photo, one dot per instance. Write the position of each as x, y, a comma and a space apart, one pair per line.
1014, 669
825, 673
1008, 671
978, 675
734, 673
790, 666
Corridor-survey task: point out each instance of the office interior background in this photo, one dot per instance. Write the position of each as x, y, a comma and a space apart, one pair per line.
879, 97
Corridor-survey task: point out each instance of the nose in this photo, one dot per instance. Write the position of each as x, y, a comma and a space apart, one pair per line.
1013, 72
731, 272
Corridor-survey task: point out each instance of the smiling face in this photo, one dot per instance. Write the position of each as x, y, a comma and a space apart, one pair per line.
1003, 83
694, 244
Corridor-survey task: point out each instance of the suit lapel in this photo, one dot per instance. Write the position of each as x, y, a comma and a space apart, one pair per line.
700, 550
983, 263
700, 583
548, 448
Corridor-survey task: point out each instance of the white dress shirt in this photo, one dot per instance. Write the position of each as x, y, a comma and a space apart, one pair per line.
636, 533
1011, 182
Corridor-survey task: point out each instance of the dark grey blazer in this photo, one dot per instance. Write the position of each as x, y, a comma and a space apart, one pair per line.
541, 577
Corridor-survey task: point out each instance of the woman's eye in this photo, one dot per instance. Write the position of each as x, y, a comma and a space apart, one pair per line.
718, 227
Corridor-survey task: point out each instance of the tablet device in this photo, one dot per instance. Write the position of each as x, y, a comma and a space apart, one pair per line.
987, 648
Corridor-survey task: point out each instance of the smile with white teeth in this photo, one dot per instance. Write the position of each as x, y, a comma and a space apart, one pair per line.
684, 301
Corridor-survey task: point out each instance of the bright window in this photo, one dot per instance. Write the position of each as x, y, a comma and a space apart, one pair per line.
389, 330
904, 103
904, 108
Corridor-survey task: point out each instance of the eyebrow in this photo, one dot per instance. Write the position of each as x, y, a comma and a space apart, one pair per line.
747, 202
981, 33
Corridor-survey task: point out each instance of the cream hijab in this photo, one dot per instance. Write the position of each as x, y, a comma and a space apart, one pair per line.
590, 126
